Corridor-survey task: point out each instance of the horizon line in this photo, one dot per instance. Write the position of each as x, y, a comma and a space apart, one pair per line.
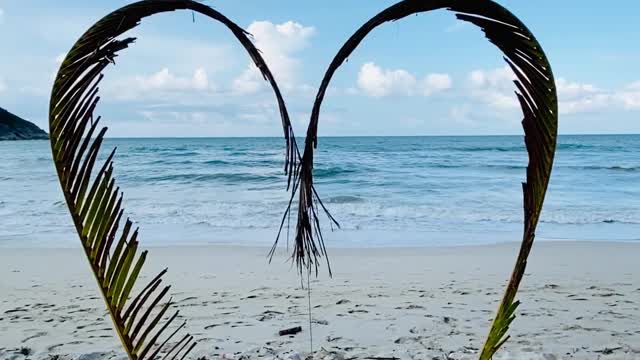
351, 136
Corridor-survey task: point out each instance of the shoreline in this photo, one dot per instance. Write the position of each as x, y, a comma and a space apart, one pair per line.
69, 245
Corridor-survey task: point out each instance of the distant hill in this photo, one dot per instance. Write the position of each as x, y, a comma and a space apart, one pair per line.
14, 128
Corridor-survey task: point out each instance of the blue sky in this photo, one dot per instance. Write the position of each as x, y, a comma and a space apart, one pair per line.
424, 75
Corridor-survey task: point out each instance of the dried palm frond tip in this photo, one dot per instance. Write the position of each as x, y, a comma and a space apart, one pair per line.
94, 200
536, 92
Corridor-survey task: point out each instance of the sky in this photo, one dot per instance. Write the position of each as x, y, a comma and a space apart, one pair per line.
427, 74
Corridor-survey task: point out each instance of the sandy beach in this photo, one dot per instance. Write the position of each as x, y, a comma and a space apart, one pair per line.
580, 300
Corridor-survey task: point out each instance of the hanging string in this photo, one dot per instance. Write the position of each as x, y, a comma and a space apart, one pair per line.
310, 321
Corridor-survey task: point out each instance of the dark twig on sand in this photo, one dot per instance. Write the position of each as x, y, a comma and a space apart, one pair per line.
291, 331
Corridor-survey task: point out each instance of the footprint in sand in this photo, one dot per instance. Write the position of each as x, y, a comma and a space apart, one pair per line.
15, 310
35, 336
353, 311
53, 347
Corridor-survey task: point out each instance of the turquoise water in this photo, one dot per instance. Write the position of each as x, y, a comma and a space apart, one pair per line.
384, 191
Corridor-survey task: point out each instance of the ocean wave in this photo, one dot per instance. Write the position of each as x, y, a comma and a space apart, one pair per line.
332, 171
169, 161
590, 221
519, 148
179, 154
388, 213
226, 178
468, 166
217, 162
609, 168
565, 146
524, 166
508, 167
155, 148
345, 199
561, 218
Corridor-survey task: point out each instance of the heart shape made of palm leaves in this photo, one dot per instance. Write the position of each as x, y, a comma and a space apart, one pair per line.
96, 204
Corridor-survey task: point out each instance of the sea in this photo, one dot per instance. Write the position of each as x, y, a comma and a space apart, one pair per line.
384, 191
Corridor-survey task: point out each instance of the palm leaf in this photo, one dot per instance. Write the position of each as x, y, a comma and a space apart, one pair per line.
536, 93
94, 200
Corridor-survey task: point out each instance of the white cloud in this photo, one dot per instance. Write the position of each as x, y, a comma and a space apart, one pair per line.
163, 81
278, 44
585, 104
215, 118
3, 85
247, 83
496, 78
378, 82
1, 15
436, 82
375, 81
579, 98
574, 97
494, 87
630, 96
634, 86
567, 89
